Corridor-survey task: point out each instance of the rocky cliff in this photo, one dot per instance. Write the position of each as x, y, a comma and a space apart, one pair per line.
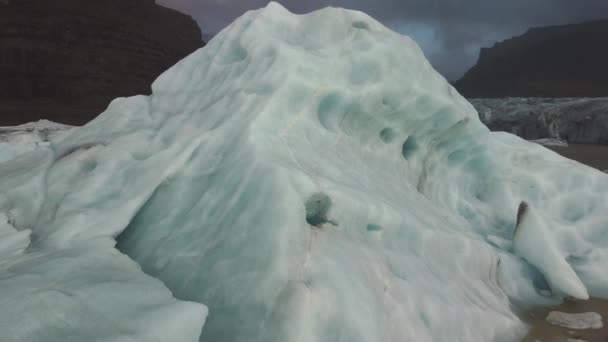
65, 60
556, 61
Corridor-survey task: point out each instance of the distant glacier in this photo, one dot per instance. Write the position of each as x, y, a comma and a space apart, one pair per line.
574, 120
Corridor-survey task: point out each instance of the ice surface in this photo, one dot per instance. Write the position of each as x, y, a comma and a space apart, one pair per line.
16, 140
578, 321
308, 178
84, 291
88, 293
536, 244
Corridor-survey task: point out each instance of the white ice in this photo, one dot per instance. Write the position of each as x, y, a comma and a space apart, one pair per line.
536, 244
578, 321
308, 178
88, 292
16, 140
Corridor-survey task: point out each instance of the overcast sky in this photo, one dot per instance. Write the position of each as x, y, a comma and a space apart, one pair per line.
450, 32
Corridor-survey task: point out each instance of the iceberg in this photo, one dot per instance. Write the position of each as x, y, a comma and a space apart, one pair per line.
302, 178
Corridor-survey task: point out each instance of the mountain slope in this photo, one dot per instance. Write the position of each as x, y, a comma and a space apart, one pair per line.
64, 60
555, 61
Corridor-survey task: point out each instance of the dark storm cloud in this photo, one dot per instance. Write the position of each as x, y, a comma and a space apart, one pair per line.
449, 31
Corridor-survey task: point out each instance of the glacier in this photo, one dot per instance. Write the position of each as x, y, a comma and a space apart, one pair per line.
300, 178
574, 120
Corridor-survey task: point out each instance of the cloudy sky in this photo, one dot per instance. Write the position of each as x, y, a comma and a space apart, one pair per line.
450, 32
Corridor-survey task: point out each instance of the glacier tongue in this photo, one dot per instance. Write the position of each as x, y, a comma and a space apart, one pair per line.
308, 178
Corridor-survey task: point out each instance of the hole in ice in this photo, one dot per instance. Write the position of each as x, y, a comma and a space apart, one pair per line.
387, 135
360, 25
409, 147
426, 319
539, 282
457, 157
328, 108
373, 228
391, 102
521, 212
234, 54
89, 165
365, 72
317, 207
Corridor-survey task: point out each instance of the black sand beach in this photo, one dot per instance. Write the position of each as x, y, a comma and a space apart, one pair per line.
593, 155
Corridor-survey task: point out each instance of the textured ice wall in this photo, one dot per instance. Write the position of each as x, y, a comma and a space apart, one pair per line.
312, 178
58, 283
61, 279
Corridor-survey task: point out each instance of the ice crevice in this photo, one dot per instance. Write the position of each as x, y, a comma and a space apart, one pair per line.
302, 178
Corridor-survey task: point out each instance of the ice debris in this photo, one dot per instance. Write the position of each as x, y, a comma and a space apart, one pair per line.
578, 321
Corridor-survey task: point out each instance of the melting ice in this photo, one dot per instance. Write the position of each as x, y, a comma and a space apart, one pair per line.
579, 321
301, 178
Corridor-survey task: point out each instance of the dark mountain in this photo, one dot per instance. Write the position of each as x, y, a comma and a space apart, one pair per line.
65, 60
555, 61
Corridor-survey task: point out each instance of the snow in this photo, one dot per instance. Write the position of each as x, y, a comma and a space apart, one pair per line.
307, 178
578, 321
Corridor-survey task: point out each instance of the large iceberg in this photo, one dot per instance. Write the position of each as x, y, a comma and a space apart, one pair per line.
307, 178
